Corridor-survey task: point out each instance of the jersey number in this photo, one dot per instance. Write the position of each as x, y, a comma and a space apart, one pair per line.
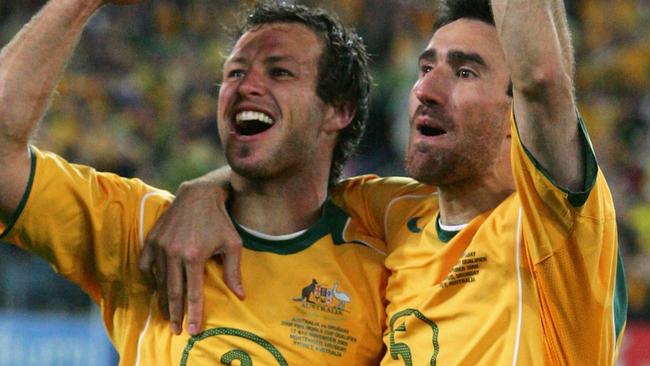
401, 349
235, 354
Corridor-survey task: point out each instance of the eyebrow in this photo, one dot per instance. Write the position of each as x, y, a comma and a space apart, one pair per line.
428, 55
461, 57
454, 57
268, 60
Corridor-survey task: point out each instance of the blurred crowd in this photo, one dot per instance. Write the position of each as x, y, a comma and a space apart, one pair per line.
139, 99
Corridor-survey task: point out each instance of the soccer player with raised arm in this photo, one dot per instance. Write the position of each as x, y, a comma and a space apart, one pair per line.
292, 104
508, 255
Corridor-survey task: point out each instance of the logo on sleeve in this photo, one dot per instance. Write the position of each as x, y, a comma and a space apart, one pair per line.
412, 225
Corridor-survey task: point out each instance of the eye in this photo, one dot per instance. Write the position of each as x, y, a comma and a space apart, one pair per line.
425, 69
280, 72
465, 73
235, 74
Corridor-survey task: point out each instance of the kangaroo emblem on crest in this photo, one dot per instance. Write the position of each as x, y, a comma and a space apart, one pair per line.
307, 291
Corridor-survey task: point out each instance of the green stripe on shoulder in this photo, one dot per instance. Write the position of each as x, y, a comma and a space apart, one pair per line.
576, 199
23, 200
620, 297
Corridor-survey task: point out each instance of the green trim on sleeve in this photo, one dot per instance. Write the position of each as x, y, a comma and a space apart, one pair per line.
332, 222
620, 297
336, 220
576, 199
23, 200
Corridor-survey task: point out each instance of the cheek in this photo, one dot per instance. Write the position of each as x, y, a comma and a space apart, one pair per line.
413, 104
222, 125
300, 105
223, 130
224, 99
479, 101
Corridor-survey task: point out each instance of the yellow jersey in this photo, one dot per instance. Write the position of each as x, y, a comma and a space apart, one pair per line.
317, 298
538, 280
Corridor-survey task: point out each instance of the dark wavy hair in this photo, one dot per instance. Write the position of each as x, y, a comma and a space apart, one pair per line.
451, 10
343, 74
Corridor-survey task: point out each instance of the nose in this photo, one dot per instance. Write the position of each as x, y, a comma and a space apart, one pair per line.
431, 88
252, 83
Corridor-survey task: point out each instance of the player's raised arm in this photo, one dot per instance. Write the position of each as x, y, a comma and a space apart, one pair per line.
536, 41
30, 67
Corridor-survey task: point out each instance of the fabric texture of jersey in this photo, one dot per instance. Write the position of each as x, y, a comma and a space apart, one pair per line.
316, 299
535, 281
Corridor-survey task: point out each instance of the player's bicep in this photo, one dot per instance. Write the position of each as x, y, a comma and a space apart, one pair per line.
549, 129
15, 175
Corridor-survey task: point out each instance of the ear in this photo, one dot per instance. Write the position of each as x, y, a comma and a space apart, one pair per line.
338, 117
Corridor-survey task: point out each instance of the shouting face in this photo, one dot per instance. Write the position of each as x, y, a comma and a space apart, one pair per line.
459, 107
270, 118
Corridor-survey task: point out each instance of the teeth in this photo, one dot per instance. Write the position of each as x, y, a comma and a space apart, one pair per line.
253, 116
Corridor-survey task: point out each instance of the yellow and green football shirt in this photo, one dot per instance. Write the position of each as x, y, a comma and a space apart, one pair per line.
536, 281
315, 299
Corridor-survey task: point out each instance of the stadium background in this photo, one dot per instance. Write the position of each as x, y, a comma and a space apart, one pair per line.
139, 99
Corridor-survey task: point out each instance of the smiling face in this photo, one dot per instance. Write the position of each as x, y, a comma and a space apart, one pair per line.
270, 119
459, 108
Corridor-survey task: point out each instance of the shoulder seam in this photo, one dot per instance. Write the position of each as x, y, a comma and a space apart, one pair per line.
143, 201
345, 229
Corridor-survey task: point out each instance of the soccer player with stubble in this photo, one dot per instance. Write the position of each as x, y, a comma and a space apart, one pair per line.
292, 105
506, 251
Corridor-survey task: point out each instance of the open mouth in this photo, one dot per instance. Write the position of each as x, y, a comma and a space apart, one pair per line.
430, 130
249, 123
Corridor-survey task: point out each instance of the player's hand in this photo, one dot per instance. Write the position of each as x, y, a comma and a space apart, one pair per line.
195, 228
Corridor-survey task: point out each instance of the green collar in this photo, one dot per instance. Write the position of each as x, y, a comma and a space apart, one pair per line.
332, 221
444, 235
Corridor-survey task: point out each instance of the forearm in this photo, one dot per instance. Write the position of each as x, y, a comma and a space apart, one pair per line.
31, 64
219, 178
214, 184
213, 187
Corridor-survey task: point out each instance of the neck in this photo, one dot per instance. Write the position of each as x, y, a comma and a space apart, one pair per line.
463, 201
278, 206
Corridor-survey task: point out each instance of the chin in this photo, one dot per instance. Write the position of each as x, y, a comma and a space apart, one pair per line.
429, 171
418, 167
252, 171
419, 172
